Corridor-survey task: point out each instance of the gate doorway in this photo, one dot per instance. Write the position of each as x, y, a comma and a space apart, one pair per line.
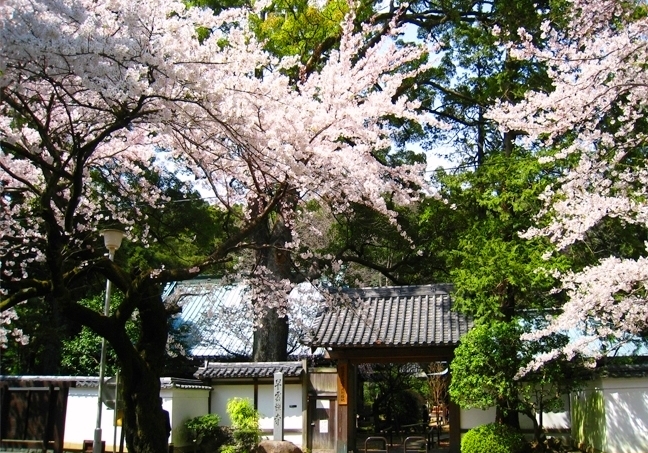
322, 425
409, 324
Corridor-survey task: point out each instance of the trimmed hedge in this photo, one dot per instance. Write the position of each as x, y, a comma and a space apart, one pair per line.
493, 438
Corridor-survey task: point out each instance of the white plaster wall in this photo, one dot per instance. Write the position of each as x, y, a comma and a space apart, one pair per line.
292, 407
182, 405
221, 394
556, 420
81, 416
81, 419
550, 420
588, 414
626, 410
292, 415
475, 417
471, 418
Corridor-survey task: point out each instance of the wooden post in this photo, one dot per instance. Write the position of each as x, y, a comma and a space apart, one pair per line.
352, 399
455, 427
343, 406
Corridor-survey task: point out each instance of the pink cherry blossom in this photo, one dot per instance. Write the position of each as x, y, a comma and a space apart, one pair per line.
595, 111
109, 87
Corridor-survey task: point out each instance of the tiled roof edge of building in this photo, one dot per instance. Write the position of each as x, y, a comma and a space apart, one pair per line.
394, 316
93, 381
182, 383
241, 370
383, 291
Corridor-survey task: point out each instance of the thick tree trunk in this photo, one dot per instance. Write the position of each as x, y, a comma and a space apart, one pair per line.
52, 348
271, 340
141, 363
141, 367
145, 423
145, 426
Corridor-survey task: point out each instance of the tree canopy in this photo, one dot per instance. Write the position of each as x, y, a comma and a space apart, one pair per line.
278, 136
95, 94
486, 372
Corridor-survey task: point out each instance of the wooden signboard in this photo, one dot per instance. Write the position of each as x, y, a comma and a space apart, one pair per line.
342, 384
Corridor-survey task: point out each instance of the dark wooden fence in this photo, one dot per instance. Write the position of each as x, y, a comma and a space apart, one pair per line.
32, 414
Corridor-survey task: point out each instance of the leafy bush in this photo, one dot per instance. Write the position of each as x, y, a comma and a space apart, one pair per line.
245, 425
493, 438
206, 434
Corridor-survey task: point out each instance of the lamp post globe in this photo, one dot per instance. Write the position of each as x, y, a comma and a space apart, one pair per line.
112, 240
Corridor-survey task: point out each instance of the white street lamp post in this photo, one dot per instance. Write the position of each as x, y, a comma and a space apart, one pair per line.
112, 240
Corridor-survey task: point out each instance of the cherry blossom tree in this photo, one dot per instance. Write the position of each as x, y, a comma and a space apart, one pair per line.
6, 332
92, 92
595, 120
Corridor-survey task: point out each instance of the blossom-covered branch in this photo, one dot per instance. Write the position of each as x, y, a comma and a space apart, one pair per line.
595, 117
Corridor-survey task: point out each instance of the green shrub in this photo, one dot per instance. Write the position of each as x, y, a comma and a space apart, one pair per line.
245, 425
206, 434
493, 438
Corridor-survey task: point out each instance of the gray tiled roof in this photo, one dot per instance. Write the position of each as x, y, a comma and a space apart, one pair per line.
249, 370
219, 315
212, 309
179, 383
391, 316
623, 367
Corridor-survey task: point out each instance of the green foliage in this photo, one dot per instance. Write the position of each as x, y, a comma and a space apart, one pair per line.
46, 328
203, 426
205, 432
183, 336
245, 425
494, 270
297, 27
374, 249
587, 413
486, 365
494, 188
242, 413
182, 227
81, 353
218, 5
474, 71
58, 346
394, 394
493, 438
